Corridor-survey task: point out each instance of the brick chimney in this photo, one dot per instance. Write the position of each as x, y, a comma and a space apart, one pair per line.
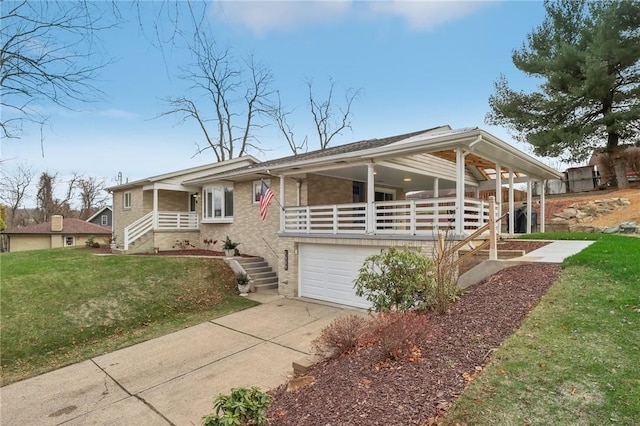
56, 223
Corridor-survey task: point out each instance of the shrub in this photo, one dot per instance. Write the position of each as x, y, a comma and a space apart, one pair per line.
243, 406
95, 245
89, 241
396, 279
340, 336
396, 335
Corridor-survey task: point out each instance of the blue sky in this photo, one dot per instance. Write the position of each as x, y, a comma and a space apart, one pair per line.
417, 65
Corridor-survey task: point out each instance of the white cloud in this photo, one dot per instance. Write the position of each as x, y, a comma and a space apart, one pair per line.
426, 15
262, 16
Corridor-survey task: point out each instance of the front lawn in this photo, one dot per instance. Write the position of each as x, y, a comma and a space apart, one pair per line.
575, 359
62, 306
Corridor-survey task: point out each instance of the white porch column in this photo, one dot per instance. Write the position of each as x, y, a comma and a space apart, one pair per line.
282, 201
512, 221
371, 195
529, 205
493, 239
543, 184
460, 184
155, 208
498, 184
436, 209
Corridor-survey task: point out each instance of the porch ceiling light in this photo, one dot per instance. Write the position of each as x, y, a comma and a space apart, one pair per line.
407, 179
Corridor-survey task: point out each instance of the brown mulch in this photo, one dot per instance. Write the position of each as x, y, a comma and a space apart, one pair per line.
355, 389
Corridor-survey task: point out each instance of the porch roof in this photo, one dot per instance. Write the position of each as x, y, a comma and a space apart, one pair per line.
429, 152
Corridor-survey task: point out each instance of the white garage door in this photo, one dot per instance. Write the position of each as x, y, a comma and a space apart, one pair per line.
327, 272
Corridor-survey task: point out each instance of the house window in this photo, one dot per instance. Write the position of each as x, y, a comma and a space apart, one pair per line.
359, 192
257, 190
126, 200
69, 241
218, 203
103, 219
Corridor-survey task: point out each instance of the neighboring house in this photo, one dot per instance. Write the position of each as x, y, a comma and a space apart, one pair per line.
103, 217
331, 208
58, 233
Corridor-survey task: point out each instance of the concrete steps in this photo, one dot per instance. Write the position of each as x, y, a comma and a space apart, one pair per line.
259, 272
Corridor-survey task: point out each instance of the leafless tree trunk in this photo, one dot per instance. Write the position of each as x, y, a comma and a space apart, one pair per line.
91, 195
47, 53
46, 202
237, 93
13, 189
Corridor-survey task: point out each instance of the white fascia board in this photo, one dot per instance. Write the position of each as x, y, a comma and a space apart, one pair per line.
427, 145
169, 187
533, 166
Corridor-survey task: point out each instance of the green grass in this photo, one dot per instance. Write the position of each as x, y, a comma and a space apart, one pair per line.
62, 306
575, 360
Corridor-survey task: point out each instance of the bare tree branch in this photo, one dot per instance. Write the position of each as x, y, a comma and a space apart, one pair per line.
47, 204
91, 195
279, 115
48, 52
323, 112
234, 91
13, 189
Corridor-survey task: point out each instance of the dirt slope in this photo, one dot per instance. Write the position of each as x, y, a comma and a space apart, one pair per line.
555, 204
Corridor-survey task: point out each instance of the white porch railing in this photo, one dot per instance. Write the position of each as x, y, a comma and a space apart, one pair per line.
166, 221
177, 221
406, 217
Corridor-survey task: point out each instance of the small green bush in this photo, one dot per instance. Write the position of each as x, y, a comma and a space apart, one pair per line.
89, 241
340, 336
243, 406
398, 280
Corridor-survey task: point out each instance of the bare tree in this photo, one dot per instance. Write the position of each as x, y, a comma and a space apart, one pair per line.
47, 53
47, 204
13, 189
233, 95
91, 195
330, 123
279, 115
329, 119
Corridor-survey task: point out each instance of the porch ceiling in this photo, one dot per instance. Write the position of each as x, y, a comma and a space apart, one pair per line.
390, 176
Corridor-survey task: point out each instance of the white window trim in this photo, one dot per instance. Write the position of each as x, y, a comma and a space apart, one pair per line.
126, 197
205, 194
255, 195
73, 241
104, 220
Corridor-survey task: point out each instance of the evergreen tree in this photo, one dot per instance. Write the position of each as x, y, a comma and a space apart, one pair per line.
587, 55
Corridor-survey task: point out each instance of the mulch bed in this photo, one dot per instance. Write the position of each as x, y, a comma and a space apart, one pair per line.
356, 389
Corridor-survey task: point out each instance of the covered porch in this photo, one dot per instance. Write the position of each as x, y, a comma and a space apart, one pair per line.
442, 183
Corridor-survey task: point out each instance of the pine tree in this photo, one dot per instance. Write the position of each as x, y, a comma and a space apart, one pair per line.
587, 55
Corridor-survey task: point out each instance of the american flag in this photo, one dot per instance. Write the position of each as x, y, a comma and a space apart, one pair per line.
266, 194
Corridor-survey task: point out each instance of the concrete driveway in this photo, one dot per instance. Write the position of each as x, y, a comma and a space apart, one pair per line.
172, 380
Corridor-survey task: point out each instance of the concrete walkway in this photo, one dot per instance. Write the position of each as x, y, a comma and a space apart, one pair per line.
555, 252
172, 380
